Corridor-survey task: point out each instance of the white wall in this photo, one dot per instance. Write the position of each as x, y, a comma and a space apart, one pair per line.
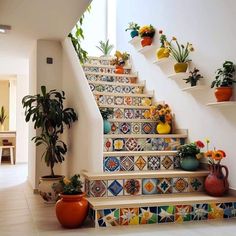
209, 25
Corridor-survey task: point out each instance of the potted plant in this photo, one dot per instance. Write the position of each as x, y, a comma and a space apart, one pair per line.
216, 183
147, 33
224, 81
3, 117
106, 112
162, 114
190, 154
180, 54
194, 77
72, 208
133, 27
120, 61
162, 52
105, 48
47, 112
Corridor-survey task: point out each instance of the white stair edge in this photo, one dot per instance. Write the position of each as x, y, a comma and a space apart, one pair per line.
124, 94
156, 200
117, 84
221, 104
102, 58
111, 74
128, 67
133, 120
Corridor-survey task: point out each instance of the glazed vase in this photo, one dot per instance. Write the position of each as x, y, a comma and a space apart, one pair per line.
146, 41
223, 94
180, 67
189, 163
216, 183
106, 126
71, 210
163, 128
162, 54
119, 70
133, 33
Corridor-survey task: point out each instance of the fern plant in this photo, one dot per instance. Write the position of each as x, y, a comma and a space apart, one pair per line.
105, 47
3, 115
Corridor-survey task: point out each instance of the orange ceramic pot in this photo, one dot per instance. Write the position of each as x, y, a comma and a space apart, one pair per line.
71, 210
119, 70
146, 41
223, 94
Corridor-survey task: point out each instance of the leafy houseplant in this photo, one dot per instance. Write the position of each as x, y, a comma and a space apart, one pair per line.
47, 112
105, 47
147, 33
162, 52
134, 28
120, 61
3, 117
106, 113
193, 77
224, 81
190, 154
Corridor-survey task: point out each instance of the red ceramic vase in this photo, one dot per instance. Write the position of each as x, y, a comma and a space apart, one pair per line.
216, 183
71, 210
146, 41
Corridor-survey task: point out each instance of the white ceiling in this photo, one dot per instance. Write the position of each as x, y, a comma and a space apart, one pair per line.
36, 19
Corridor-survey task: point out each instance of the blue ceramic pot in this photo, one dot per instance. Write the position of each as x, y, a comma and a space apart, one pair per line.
106, 126
189, 163
134, 33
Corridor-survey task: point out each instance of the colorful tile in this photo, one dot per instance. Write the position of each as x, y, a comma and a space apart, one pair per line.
167, 163
125, 128
132, 187
118, 89
114, 127
108, 145
164, 185
131, 144
98, 188
129, 216
147, 215
127, 89
166, 214
108, 217
118, 100
111, 164
119, 144
86, 187
153, 163
128, 101
128, 113
140, 163
127, 163
199, 212
114, 187
183, 213
118, 113
136, 128
196, 184
148, 128
180, 185
149, 186
176, 162
229, 210
215, 211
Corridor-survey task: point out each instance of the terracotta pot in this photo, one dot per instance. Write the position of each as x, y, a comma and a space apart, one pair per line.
49, 188
119, 70
216, 183
223, 93
71, 210
146, 41
162, 54
180, 67
163, 128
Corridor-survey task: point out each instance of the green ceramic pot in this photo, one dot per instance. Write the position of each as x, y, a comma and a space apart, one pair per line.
189, 163
106, 126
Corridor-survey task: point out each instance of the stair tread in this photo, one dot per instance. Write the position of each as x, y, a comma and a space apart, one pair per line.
178, 135
133, 120
104, 66
117, 84
111, 74
123, 94
102, 58
144, 174
140, 153
157, 200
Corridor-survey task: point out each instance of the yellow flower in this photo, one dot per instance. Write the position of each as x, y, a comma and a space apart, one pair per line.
147, 114
118, 144
207, 140
66, 181
146, 102
174, 38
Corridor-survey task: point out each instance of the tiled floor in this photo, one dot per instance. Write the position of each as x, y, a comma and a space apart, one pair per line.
23, 213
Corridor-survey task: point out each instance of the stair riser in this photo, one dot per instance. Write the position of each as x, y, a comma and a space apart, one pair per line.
133, 128
140, 163
142, 144
126, 113
126, 89
163, 214
103, 70
109, 78
98, 61
118, 100
145, 186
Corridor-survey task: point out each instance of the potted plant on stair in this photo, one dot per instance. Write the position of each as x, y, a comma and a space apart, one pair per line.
194, 77
190, 154
105, 48
162, 52
3, 117
224, 81
134, 28
147, 33
106, 112
72, 208
180, 54
120, 61
47, 112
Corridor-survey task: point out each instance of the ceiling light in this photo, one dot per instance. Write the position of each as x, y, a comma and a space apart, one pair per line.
4, 28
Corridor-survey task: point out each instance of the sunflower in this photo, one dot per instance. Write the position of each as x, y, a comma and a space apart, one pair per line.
147, 114
208, 153
217, 155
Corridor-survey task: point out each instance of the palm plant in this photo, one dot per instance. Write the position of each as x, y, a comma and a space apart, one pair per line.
3, 115
105, 47
47, 112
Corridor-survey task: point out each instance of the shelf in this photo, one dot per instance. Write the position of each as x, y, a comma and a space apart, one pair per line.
181, 75
193, 88
163, 61
222, 104
135, 40
146, 49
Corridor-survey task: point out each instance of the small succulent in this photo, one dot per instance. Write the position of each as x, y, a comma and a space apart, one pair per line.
105, 47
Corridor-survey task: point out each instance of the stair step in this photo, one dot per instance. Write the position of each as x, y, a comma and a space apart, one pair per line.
143, 95
100, 86
141, 153
104, 68
125, 106
132, 120
179, 135
110, 74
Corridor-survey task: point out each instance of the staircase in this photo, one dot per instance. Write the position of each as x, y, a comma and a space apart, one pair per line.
141, 181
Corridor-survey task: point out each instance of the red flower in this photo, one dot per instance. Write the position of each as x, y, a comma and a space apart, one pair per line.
200, 144
222, 152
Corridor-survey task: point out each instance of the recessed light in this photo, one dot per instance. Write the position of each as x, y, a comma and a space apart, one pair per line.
4, 28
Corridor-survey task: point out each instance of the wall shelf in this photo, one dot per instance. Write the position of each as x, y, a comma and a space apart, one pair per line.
146, 49
181, 75
135, 40
163, 61
221, 104
193, 88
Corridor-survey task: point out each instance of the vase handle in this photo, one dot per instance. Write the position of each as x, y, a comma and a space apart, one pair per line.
226, 171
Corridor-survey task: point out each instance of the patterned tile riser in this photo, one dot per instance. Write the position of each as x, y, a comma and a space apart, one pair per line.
140, 163
165, 214
142, 144
126, 89
103, 70
98, 61
116, 79
126, 113
145, 186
